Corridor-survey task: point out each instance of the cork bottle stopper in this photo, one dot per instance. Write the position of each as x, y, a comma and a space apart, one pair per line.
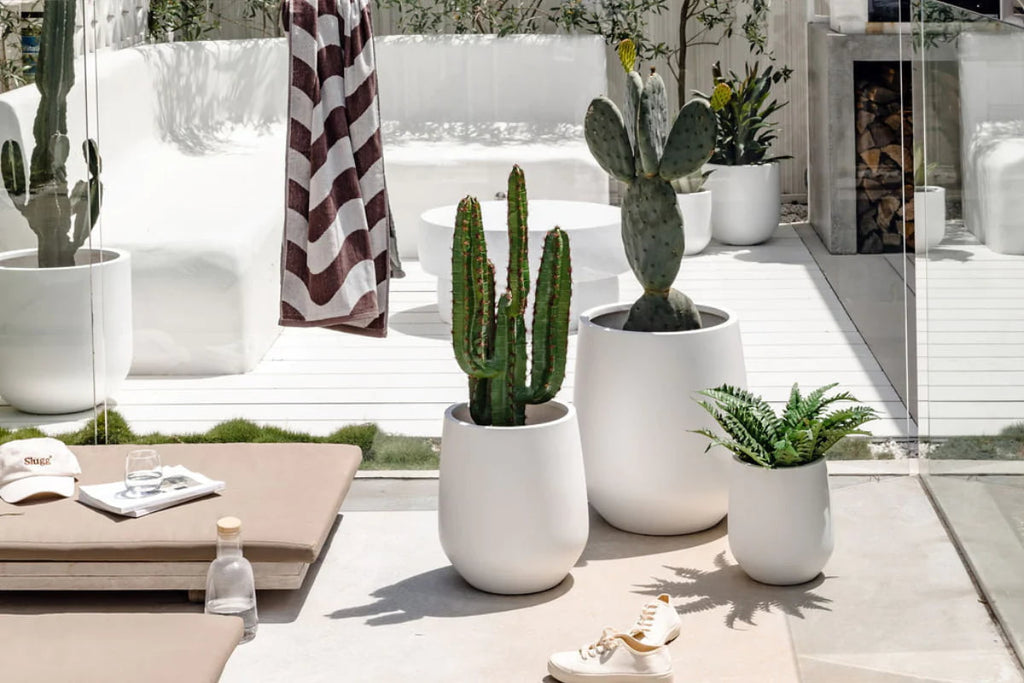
229, 526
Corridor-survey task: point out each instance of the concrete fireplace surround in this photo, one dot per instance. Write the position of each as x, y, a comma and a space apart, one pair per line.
832, 192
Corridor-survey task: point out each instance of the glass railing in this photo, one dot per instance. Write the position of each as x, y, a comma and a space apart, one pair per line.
969, 84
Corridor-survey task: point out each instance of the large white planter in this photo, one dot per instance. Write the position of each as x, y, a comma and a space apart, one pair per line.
646, 471
696, 210
512, 512
747, 202
929, 216
780, 521
65, 333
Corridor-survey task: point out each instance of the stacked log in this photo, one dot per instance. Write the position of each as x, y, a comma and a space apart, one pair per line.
885, 165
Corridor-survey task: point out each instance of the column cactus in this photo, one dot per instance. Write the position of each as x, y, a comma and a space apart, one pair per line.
62, 223
490, 339
643, 151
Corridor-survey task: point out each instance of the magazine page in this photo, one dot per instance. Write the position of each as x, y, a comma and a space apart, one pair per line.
179, 484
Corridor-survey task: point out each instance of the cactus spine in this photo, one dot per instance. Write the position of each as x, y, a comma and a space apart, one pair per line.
62, 223
490, 340
646, 154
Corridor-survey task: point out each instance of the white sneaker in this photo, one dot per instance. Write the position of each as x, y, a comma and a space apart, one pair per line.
657, 624
615, 658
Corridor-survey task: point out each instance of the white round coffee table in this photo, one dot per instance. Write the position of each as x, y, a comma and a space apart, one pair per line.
594, 242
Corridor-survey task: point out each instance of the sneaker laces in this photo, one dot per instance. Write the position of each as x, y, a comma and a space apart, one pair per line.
606, 642
646, 619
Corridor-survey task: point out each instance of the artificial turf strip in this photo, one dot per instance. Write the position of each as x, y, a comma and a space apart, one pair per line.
381, 451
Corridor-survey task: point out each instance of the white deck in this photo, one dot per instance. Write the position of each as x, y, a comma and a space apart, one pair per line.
970, 322
793, 327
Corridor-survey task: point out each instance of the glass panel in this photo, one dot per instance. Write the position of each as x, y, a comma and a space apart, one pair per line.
57, 344
969, 74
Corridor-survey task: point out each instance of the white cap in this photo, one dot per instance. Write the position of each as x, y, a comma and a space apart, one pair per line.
29, 467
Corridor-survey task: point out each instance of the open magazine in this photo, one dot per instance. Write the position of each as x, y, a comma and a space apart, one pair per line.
180, 484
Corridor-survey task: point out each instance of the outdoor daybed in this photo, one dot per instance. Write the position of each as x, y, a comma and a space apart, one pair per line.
287, 496
116, 648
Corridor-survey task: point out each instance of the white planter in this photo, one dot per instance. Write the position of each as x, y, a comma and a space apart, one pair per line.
696, 210
512, 511
65, 333
646, 471
747, 202
929, 216
780, 521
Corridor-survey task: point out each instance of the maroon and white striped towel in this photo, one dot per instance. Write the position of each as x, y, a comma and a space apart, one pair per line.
335, 263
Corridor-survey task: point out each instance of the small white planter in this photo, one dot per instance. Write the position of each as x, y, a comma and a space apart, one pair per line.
780, 521
696, 210
65, 333
647, 472
747, 202
512, 511
929, 216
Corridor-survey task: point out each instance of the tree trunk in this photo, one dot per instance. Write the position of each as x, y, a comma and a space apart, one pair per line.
684, 18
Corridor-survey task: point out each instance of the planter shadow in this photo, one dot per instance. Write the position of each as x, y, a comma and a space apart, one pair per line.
725, 585
440, 593
608, 543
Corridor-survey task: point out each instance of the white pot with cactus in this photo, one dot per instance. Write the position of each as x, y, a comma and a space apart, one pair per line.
780, 513
637, 363
65, 315
695, 206
745, 184
512, 508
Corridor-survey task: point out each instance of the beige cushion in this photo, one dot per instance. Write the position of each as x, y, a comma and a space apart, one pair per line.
116, 648
287, 496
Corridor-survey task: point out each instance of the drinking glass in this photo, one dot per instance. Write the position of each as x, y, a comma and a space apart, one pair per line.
142, 473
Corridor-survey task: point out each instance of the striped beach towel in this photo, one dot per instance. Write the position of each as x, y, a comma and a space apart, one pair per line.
335, 262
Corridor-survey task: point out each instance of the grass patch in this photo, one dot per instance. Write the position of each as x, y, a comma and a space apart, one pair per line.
1007, 445
851, 448
380, 450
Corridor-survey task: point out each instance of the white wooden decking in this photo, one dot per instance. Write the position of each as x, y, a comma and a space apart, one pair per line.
970, 322
793, 327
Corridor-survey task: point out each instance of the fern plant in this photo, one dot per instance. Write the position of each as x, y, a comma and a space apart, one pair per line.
802, 434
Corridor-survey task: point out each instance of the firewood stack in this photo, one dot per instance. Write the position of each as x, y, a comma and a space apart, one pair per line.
885, 165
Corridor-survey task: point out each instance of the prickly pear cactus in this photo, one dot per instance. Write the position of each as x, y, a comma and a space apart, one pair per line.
61, 222
645, 152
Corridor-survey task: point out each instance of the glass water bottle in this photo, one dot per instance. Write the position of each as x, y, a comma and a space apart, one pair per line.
230, 588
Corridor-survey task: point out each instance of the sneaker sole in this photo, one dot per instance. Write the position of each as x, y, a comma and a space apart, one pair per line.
570, 677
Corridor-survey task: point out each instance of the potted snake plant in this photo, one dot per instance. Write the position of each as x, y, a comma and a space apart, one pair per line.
745, 187
65, 316
780, 515
646, 472
512, 509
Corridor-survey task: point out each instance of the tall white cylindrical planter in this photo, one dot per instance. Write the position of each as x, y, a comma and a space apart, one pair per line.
929, 216
696, 210
746, 201
780, 521
65, 333
512, 510
647, 472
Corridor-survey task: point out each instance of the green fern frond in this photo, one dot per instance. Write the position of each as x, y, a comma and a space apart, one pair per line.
803, 433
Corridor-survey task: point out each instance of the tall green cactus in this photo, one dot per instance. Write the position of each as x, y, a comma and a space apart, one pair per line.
647, 155
489, 340
45, 202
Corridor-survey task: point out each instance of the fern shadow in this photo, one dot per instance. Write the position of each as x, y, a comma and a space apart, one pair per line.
700, 590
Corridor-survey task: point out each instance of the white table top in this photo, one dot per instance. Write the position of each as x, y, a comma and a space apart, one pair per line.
594, 236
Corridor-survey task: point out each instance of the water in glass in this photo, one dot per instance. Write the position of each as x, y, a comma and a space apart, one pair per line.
142, 473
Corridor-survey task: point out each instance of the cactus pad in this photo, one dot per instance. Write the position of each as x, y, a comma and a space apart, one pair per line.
652, 232
656, 312
605, 132
691, 141
652, 123
720, 96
